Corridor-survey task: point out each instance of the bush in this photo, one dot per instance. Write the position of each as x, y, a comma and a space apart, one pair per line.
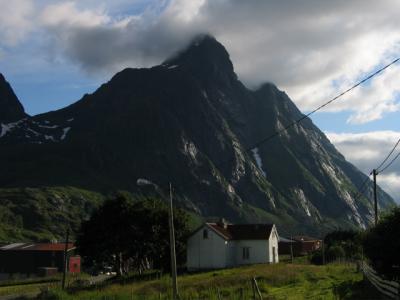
348, 240
316, 257
335, 252
382, 245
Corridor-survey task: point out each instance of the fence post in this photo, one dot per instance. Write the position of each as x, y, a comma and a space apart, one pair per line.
219, 294
256, 289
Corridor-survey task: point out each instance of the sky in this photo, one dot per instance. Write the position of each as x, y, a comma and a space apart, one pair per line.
54, 51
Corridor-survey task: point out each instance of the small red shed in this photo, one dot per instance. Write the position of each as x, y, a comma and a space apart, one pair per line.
74, 265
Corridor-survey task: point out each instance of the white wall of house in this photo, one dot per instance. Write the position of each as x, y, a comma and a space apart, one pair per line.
257, 252
273, 243
210, 253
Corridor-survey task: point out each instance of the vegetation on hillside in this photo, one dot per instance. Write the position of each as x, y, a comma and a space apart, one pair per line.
43, 214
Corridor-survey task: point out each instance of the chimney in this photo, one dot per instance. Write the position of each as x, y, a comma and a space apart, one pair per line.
222, 223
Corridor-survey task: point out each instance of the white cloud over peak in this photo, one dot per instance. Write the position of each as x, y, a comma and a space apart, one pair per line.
312, 49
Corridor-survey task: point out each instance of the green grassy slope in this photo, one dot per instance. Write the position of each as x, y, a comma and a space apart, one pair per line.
281, 281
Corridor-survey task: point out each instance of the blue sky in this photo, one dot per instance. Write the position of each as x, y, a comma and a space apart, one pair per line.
53, 52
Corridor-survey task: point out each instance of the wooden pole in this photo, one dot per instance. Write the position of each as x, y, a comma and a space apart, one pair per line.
375, 197
257, 289
291, 249
172, 247
65, 259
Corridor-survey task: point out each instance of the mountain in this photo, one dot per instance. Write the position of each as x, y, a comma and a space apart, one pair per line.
191, 122
11, 108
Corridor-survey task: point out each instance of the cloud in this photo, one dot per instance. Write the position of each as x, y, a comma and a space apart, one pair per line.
367, 150
15, 21
98, 42
67, 15
312, 49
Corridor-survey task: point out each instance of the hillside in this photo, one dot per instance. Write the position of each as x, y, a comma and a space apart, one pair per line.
191, 122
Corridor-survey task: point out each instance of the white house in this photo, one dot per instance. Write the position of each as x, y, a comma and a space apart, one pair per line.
221, 245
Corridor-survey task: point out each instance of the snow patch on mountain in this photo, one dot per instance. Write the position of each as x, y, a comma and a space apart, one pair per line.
48, 126
258, 160
65, 132
5, 128
49, 137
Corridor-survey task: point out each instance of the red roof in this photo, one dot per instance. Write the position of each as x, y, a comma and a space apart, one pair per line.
304, 238
37, 247
243, 231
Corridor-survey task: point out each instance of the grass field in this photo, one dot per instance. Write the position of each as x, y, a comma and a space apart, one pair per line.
280, 281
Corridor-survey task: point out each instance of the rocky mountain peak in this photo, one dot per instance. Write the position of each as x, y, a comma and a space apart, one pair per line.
206, 58
11, 109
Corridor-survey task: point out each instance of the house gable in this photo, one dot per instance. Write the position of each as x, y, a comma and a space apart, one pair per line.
207, 251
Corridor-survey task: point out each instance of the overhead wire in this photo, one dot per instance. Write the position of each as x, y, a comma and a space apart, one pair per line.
361, 189
276, 133
390, 163
387, 157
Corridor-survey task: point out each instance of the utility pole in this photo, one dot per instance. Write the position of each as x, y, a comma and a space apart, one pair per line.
65, 259
323, 252
291, 249
172, 245
374, 172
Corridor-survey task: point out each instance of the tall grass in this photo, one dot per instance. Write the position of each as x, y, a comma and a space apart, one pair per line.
280, 281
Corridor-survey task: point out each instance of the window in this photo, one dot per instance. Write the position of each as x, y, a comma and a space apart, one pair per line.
205, 234
246, 253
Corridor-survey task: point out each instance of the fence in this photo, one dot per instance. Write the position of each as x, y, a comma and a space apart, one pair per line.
388, 288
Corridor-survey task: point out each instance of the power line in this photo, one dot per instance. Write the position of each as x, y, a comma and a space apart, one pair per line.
387, 157
389, 164
322, 106
362, 188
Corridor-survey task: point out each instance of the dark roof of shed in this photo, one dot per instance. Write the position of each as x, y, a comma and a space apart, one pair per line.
37, 247
243, 231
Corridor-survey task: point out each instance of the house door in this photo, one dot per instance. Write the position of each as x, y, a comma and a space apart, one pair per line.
274, 255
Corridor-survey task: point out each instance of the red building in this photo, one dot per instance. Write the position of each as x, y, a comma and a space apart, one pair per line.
74, 265
300, 245
37, 258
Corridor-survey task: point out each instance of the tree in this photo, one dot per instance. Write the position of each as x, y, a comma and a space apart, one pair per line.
349, 242
382, 245
131, 235
339, 244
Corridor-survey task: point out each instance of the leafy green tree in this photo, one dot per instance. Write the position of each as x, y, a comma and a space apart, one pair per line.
348, 240
335, 252
382, 245
131, 235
